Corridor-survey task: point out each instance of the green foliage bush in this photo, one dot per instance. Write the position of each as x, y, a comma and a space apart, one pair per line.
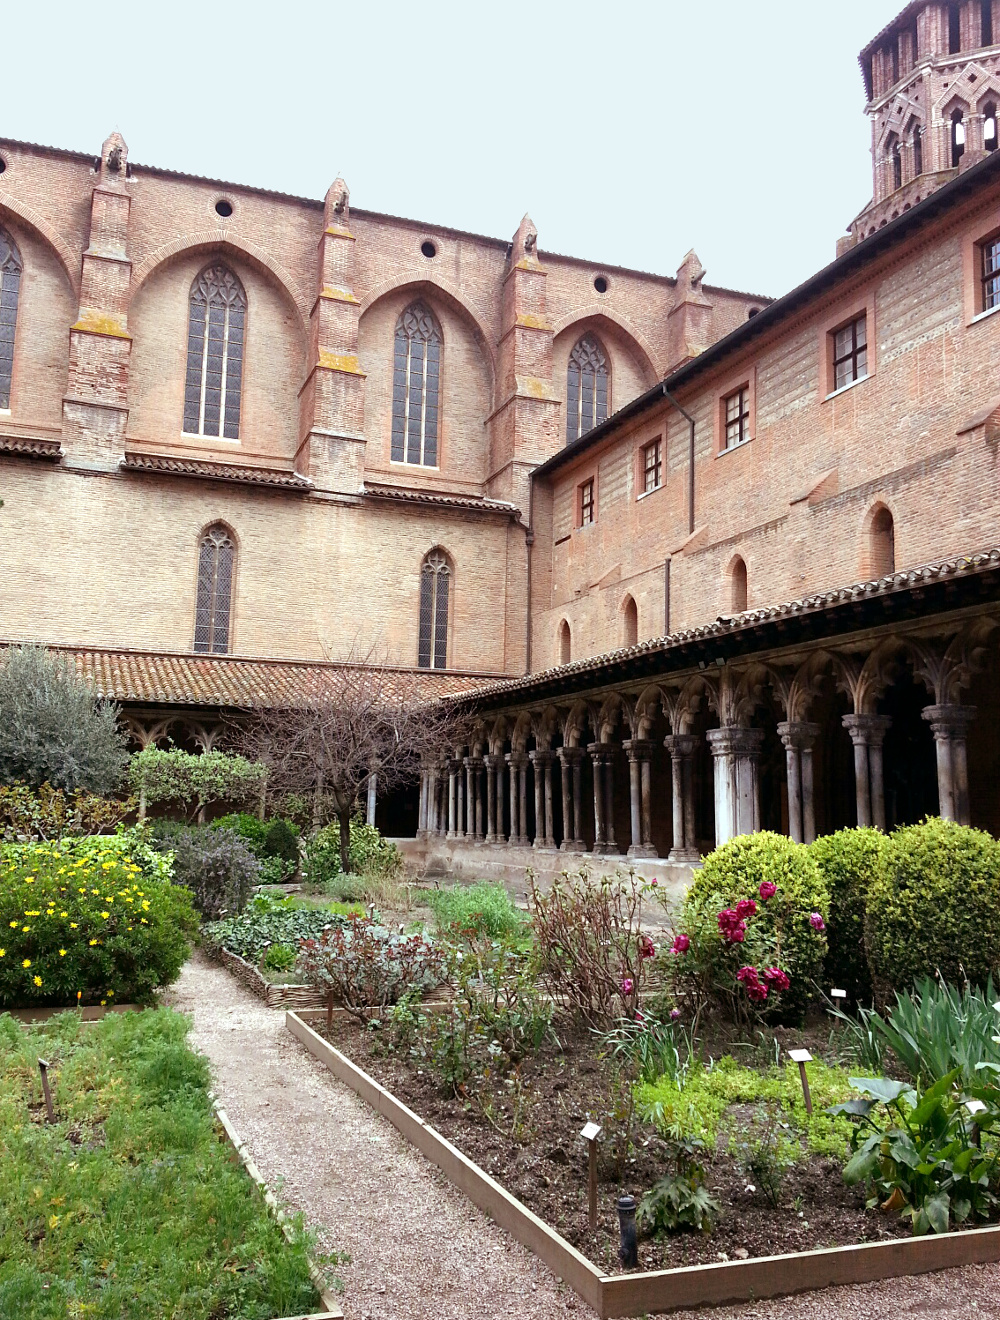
98, 916
28, 814
694, 1105
935, 905
483, 908
249, 827
129, 1204
215, 865
368, 852
848, 861
194, 782
53, 730
281, 839
267, 921
736, 871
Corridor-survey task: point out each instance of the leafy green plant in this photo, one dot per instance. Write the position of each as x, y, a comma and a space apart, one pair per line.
920, 1152
130, 1194
848, 861
376, 863
779, 880
764, 1152
281, 839
28, 814
193, 783
94, 917
859, 1037
484, 908
935, 905
216, 865
265, 921
249, 827
680, 1200
53, 729
649, 1048
279, 958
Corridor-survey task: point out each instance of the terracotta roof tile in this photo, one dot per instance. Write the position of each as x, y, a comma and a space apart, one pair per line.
449, 501
30, 447
134, 461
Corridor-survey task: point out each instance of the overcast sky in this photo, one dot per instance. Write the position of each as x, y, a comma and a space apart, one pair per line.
630, 131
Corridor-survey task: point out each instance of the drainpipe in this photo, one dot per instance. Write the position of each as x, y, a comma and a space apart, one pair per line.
690, 421
529, 541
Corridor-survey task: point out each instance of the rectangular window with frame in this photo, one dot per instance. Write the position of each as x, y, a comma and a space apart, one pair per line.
850, 352
652, 466
737, 417
989, 273
587, 503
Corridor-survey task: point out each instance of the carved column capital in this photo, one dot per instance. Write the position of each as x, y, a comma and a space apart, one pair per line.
639, 749
949, 721
867, 730
798, 734
732, 740
681, 745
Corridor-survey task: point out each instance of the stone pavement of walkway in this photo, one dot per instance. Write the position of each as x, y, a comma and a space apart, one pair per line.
419, 1249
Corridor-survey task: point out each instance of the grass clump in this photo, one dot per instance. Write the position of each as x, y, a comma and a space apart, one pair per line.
483, 908
129, 1204
695, 1106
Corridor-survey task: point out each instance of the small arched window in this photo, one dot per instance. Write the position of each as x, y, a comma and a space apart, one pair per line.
630, 622
957, 138
897, 164
216, 562
586, 388
738, 586
881, 544
435, 584
565, 643
10, 289
217, 313
918, 153
990, 126
416, 382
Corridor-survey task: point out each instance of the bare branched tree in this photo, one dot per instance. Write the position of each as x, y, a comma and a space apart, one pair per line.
344, 723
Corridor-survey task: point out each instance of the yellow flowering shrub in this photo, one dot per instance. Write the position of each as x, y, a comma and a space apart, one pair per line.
89, 920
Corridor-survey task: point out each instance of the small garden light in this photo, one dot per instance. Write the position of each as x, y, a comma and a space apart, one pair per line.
802, 1057
628, 1252
590, 1134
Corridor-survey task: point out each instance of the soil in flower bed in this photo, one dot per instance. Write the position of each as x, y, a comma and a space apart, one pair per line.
533, 1148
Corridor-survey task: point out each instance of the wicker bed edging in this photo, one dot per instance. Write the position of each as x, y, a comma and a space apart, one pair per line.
274, 996
659, 1291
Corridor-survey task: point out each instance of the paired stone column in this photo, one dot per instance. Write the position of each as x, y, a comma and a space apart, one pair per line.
500, 764
682, 748
640, 757
737, 781
799, 738
460, 791
868, 734
477, 793
518, 763
602, 758
571, 762
950, 725
452, 799
542, 761
490, 762
422, 830
372, 799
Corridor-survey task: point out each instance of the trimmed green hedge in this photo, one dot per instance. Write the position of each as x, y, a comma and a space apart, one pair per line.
849, 861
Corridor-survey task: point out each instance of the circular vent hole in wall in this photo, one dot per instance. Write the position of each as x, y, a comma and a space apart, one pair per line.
428, 249
601, 284
225, 209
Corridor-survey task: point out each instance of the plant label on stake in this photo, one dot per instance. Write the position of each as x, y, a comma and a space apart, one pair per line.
839, 995
802, 1057
590, 1134
975, 1108
43, 1068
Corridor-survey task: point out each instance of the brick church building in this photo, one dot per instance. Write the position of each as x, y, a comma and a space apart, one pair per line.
705, 562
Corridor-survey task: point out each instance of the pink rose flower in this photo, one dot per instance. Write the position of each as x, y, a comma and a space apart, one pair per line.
628, 985
681, 944
767, 890
674, 1014
816, 921
776, 978
746, 907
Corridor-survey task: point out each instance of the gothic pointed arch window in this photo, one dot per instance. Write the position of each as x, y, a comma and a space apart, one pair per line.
565, 643
435, 588
216, 565
10, 289
416, 387
217, 310
586, 388
738, 585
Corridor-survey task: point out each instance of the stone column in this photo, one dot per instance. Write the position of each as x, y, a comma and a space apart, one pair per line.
542, 761
798, 739
470, 797
522, 802
501, 836
477, 777
950, 725
868, 734
512, 762
372, 799
460, 807
452, 798
640, 755
571, 761
737, 781
440, 803
604, 830
491, 801
681, 747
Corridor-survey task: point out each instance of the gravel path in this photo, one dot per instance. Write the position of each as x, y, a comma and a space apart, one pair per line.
419, 1250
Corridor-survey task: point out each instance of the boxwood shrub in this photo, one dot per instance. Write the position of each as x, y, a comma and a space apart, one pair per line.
935, 906
736, 871
849, 861
96, 917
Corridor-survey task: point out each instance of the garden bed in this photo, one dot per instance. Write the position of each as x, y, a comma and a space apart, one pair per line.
658, 1290
274, 994
130, 1193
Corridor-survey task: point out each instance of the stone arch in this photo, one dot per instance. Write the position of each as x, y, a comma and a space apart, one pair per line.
523, 729
576, 722
498, 735
737, 582
700, 687
878, 542
647, 705
565, 642
42, 230
252, 253
449, 296
592, 316
629, 613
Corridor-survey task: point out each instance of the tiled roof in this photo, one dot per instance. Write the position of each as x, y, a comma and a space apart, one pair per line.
30, 447
158, 677
449, 501
728, 625
134, 461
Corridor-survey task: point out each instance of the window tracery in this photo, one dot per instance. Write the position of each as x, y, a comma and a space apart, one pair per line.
216, 328
586, 388
10, 289
216, 562
435, 585
416, 384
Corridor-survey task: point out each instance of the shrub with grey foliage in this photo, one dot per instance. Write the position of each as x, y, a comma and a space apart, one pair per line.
52, 727
216, 865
